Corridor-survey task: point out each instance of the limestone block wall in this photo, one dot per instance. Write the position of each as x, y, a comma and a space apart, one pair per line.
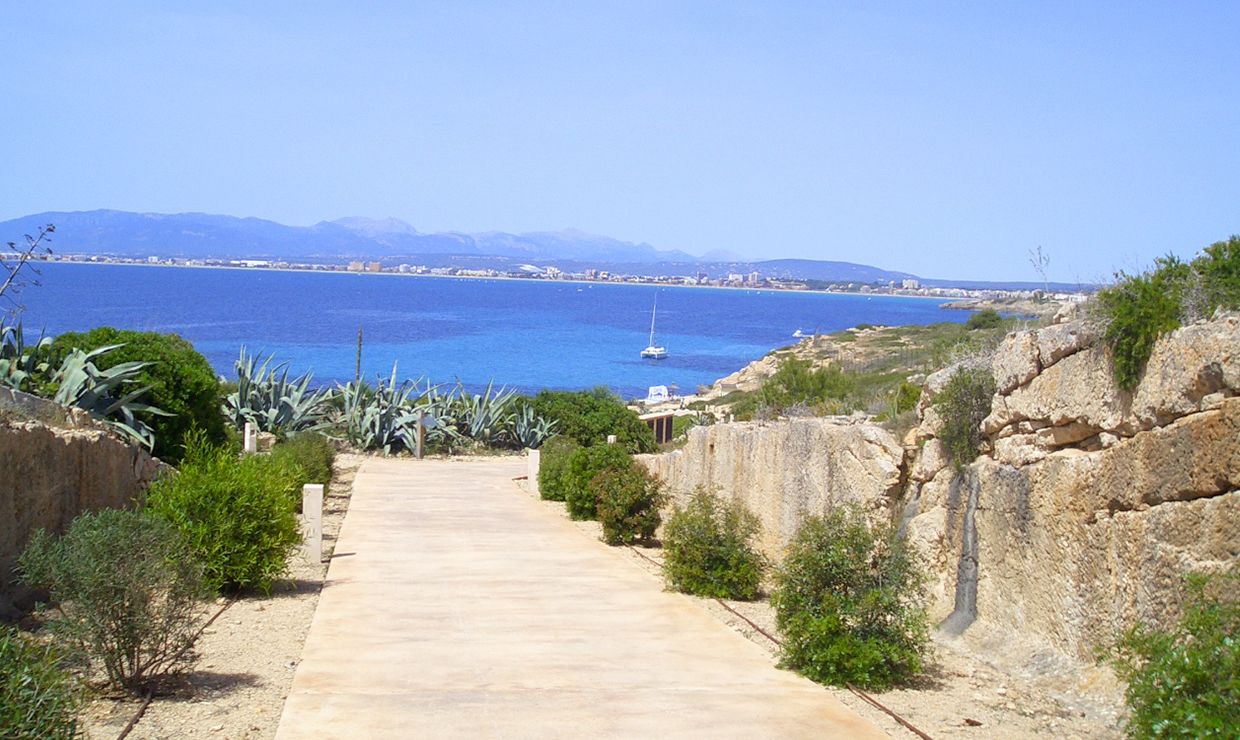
49, 475
784, 471
1088, 504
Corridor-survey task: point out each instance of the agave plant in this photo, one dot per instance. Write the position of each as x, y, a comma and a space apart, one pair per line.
269, 400
379, 417
21, 366
485, 417
445, 411
104, 393
529, 429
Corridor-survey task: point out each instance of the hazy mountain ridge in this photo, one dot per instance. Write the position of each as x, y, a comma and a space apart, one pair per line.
202, 235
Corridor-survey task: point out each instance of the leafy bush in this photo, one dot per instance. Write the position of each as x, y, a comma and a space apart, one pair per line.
709, 550
1138, 309
310, 452
588, 417
128, 588
987, 318
37, 698
963, 405
180, 381
1185, 682
797, 382
552, 463
906, 396
238, 515
583, 465
628, 503
848, 600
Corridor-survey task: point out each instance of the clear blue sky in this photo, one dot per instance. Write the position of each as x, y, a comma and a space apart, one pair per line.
942, 138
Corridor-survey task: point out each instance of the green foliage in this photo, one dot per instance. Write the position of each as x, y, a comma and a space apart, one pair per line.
906, 397
311, 453
628, 503
709, 549
588, 417
37, 698
238, 515
529, 430
583, 465
23, 367
265, 397
379, 417
552, 464
1185, 682
180, 382
987, 318
1139, 309
128, 590
107, 395
848, 600
963, 405
797, 382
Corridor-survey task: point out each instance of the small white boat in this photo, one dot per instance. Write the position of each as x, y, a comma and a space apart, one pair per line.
654, 351
798, 334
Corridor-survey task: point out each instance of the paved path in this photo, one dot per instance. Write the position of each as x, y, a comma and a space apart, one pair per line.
458, 606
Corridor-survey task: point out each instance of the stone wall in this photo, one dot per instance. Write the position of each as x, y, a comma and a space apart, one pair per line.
1088, 503
786, 470
50, 473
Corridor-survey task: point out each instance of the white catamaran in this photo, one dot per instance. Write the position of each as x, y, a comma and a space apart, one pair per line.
654, 352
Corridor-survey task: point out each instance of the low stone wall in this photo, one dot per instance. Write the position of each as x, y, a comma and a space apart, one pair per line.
49, 475
784, 471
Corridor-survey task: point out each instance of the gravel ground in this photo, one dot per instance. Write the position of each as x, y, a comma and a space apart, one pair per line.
978, 687
246, 656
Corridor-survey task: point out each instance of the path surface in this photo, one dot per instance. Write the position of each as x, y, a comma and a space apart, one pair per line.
458, 606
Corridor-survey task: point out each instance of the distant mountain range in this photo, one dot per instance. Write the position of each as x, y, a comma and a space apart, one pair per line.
392, 241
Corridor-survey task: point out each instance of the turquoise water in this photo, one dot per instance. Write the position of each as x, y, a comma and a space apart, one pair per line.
524, 334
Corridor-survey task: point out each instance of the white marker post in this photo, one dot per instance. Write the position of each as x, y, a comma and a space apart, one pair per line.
532, 461
611, 439
312, 522
420, 440
251, 438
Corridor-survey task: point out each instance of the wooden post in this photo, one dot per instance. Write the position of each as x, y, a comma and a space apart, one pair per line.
312, 522
251, 438
421, 436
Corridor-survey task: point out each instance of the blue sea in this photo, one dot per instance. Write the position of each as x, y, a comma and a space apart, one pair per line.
527, 335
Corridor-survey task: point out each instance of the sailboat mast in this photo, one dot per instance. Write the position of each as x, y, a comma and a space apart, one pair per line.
653, 309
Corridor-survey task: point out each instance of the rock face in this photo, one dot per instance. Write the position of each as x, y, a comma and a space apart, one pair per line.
50, 475
787, 470
1091, 503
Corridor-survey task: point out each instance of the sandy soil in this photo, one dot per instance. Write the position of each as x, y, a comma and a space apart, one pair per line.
246, 656
977, 686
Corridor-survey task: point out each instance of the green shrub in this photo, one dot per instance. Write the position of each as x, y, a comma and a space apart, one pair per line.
181, 382
797, 382
37, 698
583, 465
1138, 309
628, 503
552, 463
907, 396
987, 318
848, 600
963, 405
709, 550
312, 453
1185, 682
588, 417
128, 590
238, 514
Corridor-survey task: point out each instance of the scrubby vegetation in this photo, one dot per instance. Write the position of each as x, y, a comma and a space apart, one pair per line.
963, 405
311, 453
38, 700
709, 549
987, 318
127, 591
179, 381
848, 600
583, 465
798, 382
1185, 682
238, 515
552, 464
588, 417
265, 397
1138, 309
628, 502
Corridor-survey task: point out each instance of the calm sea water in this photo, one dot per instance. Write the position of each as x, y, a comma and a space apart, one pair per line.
522, 334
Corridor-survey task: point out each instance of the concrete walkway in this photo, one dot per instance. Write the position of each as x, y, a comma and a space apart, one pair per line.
457, 606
